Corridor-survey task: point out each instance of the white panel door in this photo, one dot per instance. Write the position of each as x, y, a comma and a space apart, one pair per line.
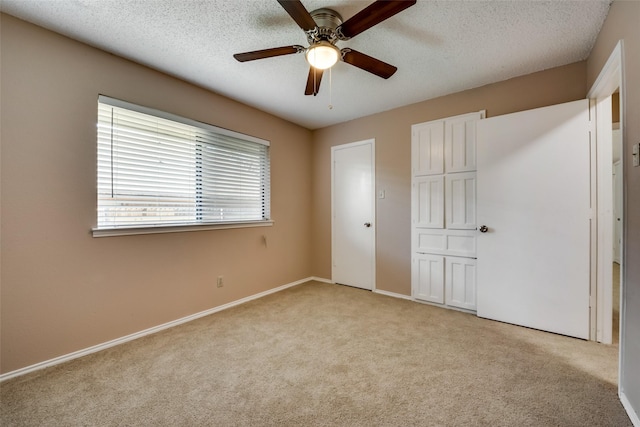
460, 199
427, 148
533, 196
460, 282
428, 271
353, 206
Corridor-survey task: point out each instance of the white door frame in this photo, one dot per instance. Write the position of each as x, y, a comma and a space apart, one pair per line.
372, 143
609, 79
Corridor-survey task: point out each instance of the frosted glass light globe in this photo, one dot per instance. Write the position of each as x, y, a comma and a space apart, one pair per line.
322, 55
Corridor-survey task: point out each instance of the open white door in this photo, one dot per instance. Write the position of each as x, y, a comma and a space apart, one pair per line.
534, 199
353, 206
617, 211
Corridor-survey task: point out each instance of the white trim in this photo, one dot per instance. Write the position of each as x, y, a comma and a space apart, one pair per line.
604, 200
444, 307
393, 294
612, 76
609, 79
611, 70
635, 419
159, 229
150, 331
593, 227
320, 279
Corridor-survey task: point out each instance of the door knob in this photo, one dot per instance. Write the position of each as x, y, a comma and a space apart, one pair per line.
484, 228
367, 224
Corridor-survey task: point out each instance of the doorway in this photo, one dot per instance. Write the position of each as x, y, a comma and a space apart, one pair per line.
602, 109
353, 214
617, 202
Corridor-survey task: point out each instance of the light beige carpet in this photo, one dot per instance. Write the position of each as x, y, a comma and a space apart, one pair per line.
329, 355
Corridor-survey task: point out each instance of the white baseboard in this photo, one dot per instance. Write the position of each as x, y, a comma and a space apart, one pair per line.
633, 416
320, 279
153, 330
393, 294
446, 307
377, 291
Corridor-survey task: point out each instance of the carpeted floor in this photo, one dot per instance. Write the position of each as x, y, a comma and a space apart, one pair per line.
329, 355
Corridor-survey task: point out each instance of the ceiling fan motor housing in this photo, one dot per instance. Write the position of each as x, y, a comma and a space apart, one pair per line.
327, 20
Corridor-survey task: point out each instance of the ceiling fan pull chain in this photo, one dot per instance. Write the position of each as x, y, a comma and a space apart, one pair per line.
330, 91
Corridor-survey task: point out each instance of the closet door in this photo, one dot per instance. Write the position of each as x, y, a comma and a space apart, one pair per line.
444, 211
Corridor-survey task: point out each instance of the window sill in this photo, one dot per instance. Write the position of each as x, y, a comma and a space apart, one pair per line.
128, 231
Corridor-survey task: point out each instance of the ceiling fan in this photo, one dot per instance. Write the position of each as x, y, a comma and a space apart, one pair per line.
324, 27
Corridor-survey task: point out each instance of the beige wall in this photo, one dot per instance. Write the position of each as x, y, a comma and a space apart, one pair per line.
61, 289
392, 132
623, 23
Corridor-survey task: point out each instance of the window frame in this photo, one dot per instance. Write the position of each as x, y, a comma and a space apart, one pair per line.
120, 230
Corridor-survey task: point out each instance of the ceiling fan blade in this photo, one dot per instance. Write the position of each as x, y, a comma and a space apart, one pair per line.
268, 53
313, 81
371, 15
368, 63
299, 14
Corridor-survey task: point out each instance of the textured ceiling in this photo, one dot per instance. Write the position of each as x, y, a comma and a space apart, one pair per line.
439, 47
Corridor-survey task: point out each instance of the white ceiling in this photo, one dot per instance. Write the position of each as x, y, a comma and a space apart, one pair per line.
439, 47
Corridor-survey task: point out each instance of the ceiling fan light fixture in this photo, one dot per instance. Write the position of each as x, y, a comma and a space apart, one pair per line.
322, 55
323, 29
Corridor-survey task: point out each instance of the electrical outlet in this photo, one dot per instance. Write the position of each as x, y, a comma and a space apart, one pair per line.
220, 283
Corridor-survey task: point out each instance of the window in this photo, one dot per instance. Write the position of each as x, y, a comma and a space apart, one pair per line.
160, 170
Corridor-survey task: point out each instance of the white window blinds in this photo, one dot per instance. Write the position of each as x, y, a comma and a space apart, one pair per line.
156, 169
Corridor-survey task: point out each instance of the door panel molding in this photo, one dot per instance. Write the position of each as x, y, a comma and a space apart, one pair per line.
429, 209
